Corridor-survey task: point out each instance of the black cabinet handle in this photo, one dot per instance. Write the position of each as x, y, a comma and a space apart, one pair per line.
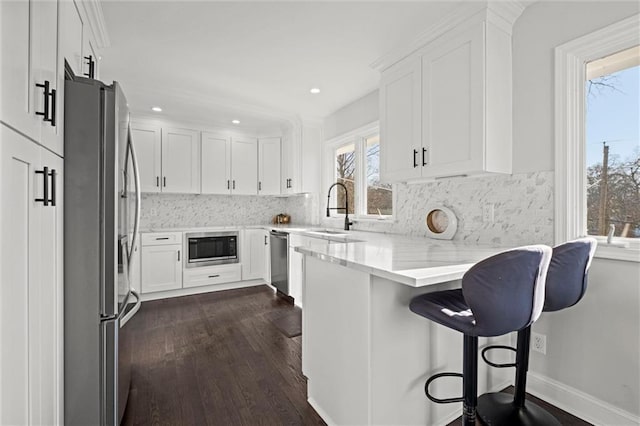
53, 108
265, 240
234, 184
259, 186
45, 192
162, 238
424, 154
164, 181
415, 160
53, 175
214, 276
45, 89
228, 184
178, 255
91, 63
158, 181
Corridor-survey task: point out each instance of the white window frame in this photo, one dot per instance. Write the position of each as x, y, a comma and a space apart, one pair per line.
570, 175
357, 137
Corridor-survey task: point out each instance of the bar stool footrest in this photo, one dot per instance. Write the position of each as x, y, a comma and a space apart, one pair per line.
499, 409
438, 400
493, 364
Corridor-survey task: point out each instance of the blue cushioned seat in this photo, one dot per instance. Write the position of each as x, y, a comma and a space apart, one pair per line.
500, 294
566, 284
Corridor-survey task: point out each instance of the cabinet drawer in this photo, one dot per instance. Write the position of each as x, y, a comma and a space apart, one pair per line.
215, 275
161, 238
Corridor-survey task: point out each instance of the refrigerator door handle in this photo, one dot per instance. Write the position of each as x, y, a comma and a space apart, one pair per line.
133, 310
136, 178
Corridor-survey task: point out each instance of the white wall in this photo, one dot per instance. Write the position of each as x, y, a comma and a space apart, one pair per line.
593, 348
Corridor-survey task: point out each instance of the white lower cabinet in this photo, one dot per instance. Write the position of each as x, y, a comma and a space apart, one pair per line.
256, 257
296, 261
31, 292
162, 261
221, 274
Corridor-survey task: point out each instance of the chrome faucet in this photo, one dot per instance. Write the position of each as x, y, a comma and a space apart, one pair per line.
346, 205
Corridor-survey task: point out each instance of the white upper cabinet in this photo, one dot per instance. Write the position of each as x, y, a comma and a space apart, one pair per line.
71, 36
29, 75
301, 151
446, 109
147, 142
180, 161
244, 166
400, 124
269, 166
216, 164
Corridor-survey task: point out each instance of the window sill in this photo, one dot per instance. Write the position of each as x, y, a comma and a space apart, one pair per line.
615, 252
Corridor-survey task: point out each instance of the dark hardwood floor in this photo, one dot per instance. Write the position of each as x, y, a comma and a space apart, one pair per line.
221, 359
216, 359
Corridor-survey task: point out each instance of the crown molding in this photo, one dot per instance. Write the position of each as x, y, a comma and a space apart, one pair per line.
92, 10
502, 13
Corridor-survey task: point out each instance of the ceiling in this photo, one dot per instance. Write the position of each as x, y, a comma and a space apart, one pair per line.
254, 61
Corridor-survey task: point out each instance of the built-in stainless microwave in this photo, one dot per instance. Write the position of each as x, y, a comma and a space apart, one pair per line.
211, 248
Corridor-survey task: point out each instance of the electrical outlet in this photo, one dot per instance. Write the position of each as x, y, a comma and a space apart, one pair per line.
539, 342
487, 213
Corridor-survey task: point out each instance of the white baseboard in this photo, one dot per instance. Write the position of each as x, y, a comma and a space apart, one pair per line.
578, 403
321, 412
198, 290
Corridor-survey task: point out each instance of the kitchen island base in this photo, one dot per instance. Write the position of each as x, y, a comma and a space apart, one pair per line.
367, 356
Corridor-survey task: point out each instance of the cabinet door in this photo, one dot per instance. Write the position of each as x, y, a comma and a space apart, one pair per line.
51, 293
253, 259
180, 161
291, 161
400, 110
161, 268
17, 79
453, 104
269, 166
70, 36
20, 271
266, 235
215, 164
295, 275
45, 68
148, 146
244, 166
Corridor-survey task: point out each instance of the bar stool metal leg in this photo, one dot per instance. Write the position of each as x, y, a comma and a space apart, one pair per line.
470, 380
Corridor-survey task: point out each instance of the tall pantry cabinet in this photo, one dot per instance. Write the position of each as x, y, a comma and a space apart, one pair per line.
36, 39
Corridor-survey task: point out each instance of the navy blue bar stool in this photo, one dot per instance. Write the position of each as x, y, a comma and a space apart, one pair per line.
499, 295
566, 283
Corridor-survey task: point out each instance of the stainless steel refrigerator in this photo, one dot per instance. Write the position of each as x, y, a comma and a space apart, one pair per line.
101, 219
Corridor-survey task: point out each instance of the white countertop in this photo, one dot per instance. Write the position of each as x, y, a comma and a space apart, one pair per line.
415, 262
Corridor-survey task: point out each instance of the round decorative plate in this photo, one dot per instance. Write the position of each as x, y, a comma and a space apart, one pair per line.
441, 222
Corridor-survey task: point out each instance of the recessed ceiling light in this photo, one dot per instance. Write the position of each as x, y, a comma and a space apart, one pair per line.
156, 109
235, 121
314, 90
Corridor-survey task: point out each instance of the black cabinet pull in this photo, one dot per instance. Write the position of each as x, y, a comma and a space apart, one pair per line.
234, 184
214, 276
424, 154
164, 181
178, 255
45, 89
228, 184
415, 160
53, 108
265, 240
91, 63
53, 175
259, 186
162, 238
158, 181
45, 192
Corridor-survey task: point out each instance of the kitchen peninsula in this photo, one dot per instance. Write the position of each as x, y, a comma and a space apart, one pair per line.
366, 356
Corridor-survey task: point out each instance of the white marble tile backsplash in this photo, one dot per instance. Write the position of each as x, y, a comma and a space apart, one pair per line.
523, 208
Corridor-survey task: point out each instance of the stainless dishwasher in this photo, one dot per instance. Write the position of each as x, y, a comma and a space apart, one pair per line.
280, 261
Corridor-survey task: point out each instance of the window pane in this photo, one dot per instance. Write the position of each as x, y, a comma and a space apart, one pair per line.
345, 174
613, 148
379, 196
